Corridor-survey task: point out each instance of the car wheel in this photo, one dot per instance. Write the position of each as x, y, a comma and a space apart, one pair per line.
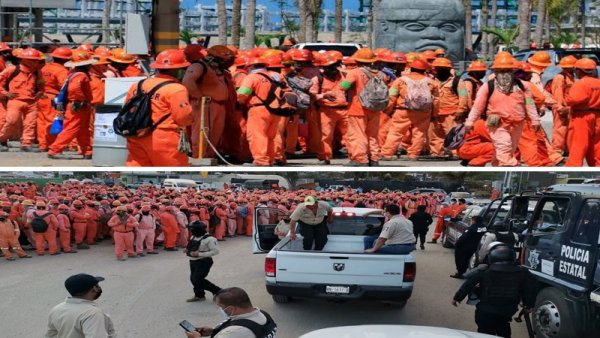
551, 317
281, 299
446, 242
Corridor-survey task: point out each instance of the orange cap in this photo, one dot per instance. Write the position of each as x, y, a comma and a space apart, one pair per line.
419, 64
586, 64
442, 63
365, 55
62, 53
567, 62
477, 66
170, 59
31, 54
540, 59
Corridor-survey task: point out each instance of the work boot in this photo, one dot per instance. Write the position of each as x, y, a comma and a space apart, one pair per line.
433, 241
87, 157
83, 246
195, 299
3, 146
324, 162
26, 256
388, 158
170, 249
141, 254
457, 276
54, 156
355, 164
422, 247
121, 259
373, 163
30, 149
152, 253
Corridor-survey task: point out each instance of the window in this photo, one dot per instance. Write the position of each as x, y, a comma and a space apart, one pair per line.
356, 226
552, 215
587, 225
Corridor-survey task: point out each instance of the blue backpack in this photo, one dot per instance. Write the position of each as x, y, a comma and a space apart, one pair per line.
243, 210
60, 101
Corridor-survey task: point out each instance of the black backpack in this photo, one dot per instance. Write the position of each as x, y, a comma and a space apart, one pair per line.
267, 330
39, 224
135, 118
12, 76
285, 102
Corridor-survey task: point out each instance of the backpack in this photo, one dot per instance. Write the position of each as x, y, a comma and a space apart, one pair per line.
243, 210
59, 102
135, 118
300, 86
455, 138
418, 97
279, 102
39, 224
214, 220
267, 330
375, 95
12, 76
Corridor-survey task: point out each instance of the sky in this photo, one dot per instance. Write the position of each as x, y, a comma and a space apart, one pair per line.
327, 4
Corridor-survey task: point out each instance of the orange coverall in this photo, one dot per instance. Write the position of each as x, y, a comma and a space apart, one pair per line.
333, 113
363, 124
123, 234
9, 238
80, 219
159, 148
170, 229
77, 123
220, 229
64, 231
312, 117
132, 71
512, 109
405, 120
92, 225
443, 118
561, 85
478, 148
262, 126
54, 75
22, 110
584, 129
47, 236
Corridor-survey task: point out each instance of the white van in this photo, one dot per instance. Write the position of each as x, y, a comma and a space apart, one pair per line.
179, 184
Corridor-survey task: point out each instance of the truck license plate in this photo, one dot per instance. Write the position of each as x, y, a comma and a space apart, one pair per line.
337, 289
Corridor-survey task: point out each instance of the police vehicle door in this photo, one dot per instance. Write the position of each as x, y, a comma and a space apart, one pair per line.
263, 233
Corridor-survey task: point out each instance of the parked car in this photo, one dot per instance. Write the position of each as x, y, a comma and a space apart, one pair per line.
456, 226
558, 53
342, 270
347, 49
392, 331
460, 194
426, 191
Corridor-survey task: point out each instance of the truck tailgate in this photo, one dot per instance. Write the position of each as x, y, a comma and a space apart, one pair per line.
340, 268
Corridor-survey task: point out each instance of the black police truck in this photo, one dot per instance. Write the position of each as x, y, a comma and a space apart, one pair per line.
562, 251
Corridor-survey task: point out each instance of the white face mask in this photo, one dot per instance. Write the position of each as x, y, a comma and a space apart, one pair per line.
223, 313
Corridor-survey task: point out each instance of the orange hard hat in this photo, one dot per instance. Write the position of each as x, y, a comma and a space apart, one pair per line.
80, 58
257, 61
17, 52
381, 51
233, 49
102, 53
274, 61
31, 54
335, 54
419, 64
101, 49
4, 47
428, 55
348, 61
524, 66
567, 62
170, 59
412, 56
271, 52
63, 207
286, 59
40, 204
503, 61
240, 61
221, 52
365, 55
119, 56
62, 53
396, 58
440, 52
540, 59
586, 64
477, 66
302, 55
442, 63
328, 60
193, 52
86, 47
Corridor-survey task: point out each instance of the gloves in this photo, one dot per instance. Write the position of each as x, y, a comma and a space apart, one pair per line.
493, 121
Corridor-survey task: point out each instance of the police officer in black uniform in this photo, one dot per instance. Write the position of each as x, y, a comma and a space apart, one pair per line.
502, 286
466, 246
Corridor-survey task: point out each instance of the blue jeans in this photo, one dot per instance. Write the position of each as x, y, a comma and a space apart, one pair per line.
396, 249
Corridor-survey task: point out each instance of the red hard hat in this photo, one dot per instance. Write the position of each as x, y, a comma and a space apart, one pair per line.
274, 61
586, 64
302, 55
419, 64
170, 59
86, 47
62, 53
335, 54
240, 61
4, 47
256, 61
31, 54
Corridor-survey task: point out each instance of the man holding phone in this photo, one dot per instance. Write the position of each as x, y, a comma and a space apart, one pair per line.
243, 320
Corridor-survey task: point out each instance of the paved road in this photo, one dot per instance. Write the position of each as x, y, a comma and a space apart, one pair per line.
15, 158
146, 296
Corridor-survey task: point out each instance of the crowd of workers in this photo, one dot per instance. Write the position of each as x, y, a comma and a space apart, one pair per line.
77, 216
332, 105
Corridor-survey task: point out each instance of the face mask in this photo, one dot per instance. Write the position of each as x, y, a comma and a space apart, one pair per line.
443, 74
2, 219
98, 293
145, 213
223, 313
504, 81
121, 214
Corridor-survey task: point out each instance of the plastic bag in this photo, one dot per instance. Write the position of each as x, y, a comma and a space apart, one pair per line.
57, 125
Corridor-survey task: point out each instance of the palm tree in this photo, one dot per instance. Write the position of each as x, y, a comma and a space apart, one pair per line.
222, 18
236, 17
302, 14
312, 22
468, 23
339, 12
491, 46
250, 25
507, 36
106, 21
541, 19
524, 24
484, 22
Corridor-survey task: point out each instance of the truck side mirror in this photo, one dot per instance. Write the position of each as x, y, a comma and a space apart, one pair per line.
520, 206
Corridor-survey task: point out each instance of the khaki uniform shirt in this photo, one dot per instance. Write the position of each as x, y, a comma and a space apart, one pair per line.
240, 331
305, 215
79, 318
398, 230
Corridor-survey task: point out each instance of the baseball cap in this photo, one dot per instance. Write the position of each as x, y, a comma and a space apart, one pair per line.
81, 283
310, 200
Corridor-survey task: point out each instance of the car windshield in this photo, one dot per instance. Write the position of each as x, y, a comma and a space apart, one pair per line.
461, 195
345, 50
355, 226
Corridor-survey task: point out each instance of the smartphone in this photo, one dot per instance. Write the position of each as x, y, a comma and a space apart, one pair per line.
187, 326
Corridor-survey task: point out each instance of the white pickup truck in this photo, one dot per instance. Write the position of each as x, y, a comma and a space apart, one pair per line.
342, 271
